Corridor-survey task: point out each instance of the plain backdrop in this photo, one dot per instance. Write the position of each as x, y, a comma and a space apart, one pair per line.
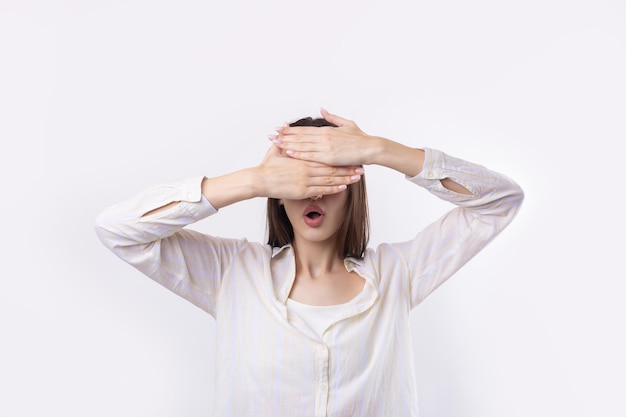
100, 99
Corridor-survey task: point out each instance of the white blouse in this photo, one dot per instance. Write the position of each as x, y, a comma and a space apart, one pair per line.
269, 362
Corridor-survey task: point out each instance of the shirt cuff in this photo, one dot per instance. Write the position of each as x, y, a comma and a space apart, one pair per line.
432, 169
193, 200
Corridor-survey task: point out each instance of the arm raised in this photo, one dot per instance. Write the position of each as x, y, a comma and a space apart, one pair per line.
277, 176
347, 144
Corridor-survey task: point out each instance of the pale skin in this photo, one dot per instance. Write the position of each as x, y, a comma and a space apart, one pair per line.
320, 161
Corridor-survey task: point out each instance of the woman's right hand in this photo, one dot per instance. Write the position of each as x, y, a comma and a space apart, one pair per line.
279, 176
283, 177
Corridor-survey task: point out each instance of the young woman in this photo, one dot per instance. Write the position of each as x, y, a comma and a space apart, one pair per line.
314, 323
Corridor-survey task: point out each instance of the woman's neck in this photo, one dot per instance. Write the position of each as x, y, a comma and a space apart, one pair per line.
316, 259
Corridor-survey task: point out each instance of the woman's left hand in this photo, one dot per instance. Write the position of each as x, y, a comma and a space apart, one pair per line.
343, 145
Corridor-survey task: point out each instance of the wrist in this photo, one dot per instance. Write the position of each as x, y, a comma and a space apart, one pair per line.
374, 154
230, 188
399, 157
256, 181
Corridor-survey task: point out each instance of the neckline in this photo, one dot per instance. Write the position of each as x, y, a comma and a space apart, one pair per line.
316, 307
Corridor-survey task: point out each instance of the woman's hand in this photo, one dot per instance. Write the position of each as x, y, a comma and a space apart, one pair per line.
283, 177
343, 145
346, 144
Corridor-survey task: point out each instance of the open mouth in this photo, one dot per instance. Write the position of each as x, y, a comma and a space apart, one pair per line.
313, 215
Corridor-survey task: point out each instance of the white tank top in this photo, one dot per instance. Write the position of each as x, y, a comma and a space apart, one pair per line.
317, 318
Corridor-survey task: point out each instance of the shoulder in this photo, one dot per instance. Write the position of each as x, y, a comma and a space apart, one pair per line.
234, 248
381, 262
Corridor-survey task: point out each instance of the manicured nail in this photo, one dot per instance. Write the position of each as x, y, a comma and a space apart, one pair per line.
274, 138
289, 152
342, 187
359, 170
355, 177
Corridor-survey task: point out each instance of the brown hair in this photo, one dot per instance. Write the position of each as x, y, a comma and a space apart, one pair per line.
353, 234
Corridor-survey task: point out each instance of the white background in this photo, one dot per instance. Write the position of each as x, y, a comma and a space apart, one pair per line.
100, 99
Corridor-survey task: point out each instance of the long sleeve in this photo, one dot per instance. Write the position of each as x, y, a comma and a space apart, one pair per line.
444, 246
188, 263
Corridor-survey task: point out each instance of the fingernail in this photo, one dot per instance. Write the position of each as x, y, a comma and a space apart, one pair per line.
342, 187
289, 152
359, 170
279, 129
274, 138
355, 177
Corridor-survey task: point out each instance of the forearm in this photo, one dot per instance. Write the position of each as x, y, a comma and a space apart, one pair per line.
396, 156
404, 159
225, 190
490, 193
142, 218
231, 188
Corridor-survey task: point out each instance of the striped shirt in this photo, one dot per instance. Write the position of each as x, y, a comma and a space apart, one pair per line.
269, 362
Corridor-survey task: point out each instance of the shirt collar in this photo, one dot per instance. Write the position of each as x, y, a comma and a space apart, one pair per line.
276, 250
349, 262
284, 272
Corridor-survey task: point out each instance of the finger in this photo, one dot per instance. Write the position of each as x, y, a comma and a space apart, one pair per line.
334, 119
301, 146
326, 189
332, 180
311, 156
298, 143
322, 157
303, 131
330, 171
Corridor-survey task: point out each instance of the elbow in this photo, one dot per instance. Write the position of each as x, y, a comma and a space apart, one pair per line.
518, 195
102, 228
507, 204
514, 201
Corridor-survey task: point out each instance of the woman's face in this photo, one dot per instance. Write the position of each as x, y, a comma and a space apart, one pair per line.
317, 220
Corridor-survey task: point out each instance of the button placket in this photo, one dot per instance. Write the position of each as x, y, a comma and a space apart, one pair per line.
321, 397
